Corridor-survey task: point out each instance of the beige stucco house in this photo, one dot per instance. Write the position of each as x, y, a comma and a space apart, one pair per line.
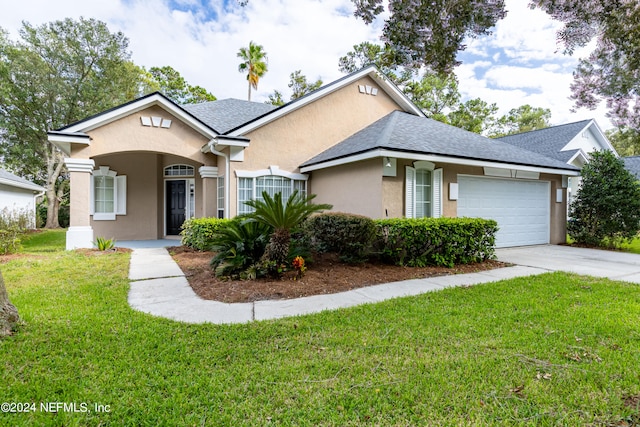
140, 169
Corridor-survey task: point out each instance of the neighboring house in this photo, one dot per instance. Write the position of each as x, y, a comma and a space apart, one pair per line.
632, 164
570, 143
17, 195
139, 170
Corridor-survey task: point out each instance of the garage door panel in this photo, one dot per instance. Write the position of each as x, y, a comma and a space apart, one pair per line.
521, 208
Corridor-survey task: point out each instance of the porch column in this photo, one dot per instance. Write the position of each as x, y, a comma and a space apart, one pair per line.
80, 233
209, 175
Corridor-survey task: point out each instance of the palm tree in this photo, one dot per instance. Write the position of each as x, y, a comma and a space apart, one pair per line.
254, 63
9, 317
282, 218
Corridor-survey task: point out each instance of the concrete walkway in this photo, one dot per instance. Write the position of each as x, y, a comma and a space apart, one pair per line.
158, 286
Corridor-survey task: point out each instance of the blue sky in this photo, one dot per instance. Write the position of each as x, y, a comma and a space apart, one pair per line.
518, 64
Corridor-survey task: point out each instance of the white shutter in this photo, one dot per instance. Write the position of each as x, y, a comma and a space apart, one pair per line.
437, 193
121, 195
92, 198
410, 191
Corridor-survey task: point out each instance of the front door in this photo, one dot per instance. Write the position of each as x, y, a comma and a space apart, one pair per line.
176, 206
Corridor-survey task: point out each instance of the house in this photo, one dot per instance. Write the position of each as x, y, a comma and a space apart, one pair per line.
18, 195
570, 143
632, 164
139, 170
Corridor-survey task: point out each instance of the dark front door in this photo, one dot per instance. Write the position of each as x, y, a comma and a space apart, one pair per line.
176, 206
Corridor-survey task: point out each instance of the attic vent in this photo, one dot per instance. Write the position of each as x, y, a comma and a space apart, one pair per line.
155, 121
368, 90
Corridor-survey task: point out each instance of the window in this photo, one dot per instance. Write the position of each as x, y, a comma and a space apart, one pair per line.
423, 190
179, 170
252, 184
108, 194
221, 197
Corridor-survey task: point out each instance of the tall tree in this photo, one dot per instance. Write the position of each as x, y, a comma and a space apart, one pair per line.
474, 115
171, 83
9, 317
431, 34
522, 119
435, 94
611, 73
626, 141
254, 64
299, 86
385, 58
56, 74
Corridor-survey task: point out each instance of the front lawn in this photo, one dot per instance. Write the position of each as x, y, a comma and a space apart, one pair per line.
556, 349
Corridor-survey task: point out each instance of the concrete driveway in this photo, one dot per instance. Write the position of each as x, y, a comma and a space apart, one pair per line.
592, 262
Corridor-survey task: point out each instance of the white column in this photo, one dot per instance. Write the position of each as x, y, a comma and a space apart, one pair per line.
80, 233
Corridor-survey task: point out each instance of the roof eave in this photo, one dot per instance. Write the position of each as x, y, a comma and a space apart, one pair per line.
384, 152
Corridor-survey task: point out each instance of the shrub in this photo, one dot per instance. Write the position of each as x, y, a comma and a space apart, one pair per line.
348, 235
13, 223
197, 233
240, 245
606, 210
435, 241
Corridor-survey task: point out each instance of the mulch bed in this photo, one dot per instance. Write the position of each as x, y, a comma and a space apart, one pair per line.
326, 275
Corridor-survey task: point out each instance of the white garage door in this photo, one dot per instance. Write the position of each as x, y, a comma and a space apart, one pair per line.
521, 208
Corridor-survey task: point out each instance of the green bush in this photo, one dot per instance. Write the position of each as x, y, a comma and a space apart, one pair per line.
197, 233
13, 223
348, 235
606, 210
435, 241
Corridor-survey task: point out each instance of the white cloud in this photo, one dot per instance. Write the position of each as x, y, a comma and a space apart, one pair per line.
518, 64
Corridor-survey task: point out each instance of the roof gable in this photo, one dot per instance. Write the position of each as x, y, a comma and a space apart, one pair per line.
384, 83
563, 142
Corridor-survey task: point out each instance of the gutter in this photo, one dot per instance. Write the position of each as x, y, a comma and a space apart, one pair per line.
210, 148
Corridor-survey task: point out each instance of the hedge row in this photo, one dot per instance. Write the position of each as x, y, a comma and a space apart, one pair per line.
436, 241
411, 242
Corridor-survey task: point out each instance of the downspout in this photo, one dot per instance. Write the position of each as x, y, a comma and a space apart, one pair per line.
227, 183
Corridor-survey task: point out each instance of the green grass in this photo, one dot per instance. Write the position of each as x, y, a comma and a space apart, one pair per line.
556, 349
44, 241
633, 247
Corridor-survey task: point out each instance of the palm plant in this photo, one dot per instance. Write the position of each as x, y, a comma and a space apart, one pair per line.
282, 218
254, 63
239, 244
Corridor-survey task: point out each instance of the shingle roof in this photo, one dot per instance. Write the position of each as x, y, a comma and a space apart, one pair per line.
548, 141
632, 164
226, 114
11, 179
405, 132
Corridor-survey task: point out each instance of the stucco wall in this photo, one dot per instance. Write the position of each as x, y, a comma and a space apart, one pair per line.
145, 218
354, 188
127, 134
291, 140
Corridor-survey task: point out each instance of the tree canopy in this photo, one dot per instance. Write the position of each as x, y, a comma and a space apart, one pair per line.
57, 73
254, 64
171, 83
299, 86
430, 34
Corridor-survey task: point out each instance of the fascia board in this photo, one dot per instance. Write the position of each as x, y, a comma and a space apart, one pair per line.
434, 158
23, 185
